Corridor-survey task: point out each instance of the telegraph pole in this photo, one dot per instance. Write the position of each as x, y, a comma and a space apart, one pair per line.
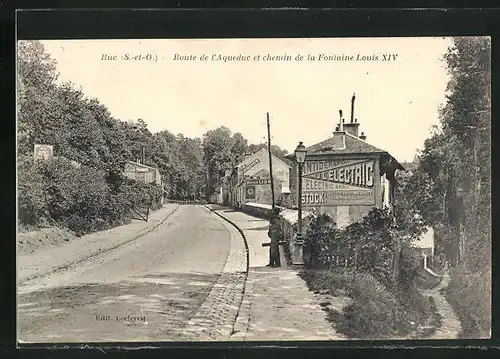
270, 159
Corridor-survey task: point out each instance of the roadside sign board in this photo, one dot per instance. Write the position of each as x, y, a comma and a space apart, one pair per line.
43, 152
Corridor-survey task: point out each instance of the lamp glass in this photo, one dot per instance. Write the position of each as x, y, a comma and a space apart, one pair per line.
300, 153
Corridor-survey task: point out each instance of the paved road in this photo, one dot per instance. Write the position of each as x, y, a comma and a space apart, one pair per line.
145, 290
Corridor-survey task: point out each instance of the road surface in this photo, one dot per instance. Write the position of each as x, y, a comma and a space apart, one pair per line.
145, 290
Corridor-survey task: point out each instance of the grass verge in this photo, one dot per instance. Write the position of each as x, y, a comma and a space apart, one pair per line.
375, 312
469, 294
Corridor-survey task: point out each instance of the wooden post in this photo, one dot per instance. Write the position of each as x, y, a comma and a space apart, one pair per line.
270, 159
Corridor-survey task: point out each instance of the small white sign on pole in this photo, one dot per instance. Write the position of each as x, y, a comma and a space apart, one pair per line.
43, 152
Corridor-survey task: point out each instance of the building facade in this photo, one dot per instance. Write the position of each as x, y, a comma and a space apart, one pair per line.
250, 180
142, 173
345, 177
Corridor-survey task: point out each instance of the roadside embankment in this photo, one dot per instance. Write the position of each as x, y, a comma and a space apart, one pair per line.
63, 254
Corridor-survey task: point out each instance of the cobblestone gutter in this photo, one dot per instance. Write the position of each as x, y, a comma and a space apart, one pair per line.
215, 320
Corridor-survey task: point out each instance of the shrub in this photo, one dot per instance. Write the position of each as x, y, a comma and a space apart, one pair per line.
374, 312
32, 208
78, 197
367, 245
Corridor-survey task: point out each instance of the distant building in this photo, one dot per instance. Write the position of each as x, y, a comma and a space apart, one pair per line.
425, 244
345, 177
142, 173
250, 180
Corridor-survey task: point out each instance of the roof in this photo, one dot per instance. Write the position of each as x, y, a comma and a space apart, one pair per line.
141, 165
353, 145
254, 155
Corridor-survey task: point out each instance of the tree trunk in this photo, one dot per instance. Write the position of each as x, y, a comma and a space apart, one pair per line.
395, 264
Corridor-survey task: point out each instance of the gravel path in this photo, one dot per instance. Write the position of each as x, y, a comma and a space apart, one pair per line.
450, 324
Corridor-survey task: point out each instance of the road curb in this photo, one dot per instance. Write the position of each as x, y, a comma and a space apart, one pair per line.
96, 253
241, 322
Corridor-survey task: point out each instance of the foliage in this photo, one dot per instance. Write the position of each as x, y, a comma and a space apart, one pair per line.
470, 294
275, 150
375, 311
457, 156
32, 209
366, 245
450, 185
84, 133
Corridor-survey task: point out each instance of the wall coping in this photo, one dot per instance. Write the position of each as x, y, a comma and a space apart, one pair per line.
258, 205
289, 215
292, 215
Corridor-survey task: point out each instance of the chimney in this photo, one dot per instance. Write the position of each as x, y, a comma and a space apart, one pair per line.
339, 134
363, 137
352, 128
352, 107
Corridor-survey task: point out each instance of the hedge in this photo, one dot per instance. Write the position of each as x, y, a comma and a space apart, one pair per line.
80, 198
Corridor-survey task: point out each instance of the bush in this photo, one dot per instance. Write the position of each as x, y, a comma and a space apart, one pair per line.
337, 282
32, 209
470, 296
78, 197
366, 245
376, 311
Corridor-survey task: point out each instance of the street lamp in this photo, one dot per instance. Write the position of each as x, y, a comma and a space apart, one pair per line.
300, 158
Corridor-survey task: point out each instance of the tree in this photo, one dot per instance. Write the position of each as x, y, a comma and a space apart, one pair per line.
239, 147
275, 150
217, 156
36, 82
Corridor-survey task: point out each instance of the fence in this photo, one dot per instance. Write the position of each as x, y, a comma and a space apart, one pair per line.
179, 201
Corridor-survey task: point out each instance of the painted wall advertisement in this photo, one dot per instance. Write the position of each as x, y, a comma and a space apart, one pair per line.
250, 192
338, 183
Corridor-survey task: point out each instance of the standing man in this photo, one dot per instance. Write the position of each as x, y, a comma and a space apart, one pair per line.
275, 234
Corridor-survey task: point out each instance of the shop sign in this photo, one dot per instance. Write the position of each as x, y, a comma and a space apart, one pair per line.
259, 181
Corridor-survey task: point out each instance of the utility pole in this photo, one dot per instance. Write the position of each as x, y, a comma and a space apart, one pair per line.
270, 159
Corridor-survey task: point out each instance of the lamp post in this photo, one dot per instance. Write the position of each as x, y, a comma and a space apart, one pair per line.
300, 158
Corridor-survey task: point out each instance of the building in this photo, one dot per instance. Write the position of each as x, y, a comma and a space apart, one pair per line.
344, 176
250, 180
142, 173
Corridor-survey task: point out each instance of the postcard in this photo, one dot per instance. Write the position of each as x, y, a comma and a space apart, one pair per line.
263, 189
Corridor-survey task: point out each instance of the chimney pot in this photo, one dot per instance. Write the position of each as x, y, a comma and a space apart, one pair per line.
338, 140
352, 107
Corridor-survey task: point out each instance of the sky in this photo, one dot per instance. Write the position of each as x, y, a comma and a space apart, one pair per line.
397, 101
